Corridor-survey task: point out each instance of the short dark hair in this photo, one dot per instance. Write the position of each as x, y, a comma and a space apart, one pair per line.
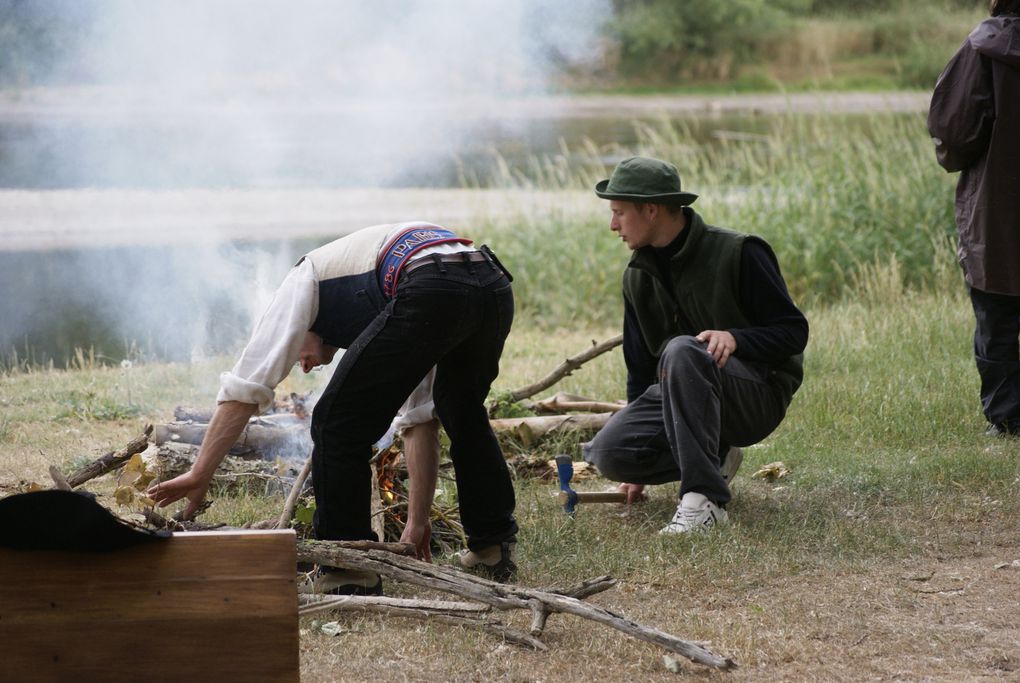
1000, 7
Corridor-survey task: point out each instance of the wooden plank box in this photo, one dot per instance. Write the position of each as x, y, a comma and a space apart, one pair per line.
204, 606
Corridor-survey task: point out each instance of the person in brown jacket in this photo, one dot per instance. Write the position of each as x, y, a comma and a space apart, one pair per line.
974, 121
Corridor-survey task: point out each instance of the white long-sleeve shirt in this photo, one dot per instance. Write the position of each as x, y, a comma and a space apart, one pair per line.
275, 344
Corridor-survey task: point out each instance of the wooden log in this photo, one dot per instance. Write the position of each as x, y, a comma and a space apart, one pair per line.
186, 414
501, 596
111, 461
402, 549
528, 430
257, 440
564, 403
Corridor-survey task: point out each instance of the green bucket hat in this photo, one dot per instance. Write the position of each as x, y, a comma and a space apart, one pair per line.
644, 179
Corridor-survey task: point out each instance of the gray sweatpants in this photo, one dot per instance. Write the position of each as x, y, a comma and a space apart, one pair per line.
679, 428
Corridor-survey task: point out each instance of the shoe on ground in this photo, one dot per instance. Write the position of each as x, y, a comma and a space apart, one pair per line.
494, 562
730, 465
342, 582
695, 513
1001, 431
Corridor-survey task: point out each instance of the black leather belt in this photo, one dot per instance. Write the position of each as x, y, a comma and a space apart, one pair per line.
458, 257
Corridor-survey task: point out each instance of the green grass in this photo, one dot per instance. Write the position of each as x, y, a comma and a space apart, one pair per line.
889, 473
885, 433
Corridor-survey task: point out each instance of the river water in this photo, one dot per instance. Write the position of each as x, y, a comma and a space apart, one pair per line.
140, 231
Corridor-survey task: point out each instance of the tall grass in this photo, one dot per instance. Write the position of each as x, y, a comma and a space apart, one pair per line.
833, 195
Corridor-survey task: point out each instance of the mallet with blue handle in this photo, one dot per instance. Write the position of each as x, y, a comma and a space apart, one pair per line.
569, 498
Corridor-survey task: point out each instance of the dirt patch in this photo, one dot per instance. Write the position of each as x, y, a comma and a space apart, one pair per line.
931, 618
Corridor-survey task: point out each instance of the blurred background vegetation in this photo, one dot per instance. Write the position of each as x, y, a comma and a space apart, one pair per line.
788, 44
645, 44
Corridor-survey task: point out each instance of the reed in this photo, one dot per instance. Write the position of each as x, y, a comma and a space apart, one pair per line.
841, 199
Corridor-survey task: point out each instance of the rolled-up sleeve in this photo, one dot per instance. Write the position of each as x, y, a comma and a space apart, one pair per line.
275, 345
419, 406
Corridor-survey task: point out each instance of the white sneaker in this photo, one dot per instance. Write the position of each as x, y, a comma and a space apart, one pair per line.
731, 464
695, 513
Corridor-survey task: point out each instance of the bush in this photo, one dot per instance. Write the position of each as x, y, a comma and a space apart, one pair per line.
661, 39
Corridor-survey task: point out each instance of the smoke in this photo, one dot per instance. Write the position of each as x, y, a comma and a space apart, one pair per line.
219, 94
320, 92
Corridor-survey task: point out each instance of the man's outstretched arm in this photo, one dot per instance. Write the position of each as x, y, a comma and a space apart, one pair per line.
226, 425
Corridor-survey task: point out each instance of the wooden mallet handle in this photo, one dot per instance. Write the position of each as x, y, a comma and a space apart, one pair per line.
593, 497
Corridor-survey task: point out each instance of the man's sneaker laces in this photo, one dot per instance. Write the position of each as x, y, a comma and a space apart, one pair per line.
694, 514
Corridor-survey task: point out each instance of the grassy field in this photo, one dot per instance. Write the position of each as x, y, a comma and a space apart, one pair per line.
889, 551
896, 511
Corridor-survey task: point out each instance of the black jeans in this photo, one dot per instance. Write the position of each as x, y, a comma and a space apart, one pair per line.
681, 426
455, 316
997, 354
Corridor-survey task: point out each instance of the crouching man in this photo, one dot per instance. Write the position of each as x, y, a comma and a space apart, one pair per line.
712, 343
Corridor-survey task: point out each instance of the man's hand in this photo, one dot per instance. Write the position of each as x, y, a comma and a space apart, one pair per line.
635, 492
720, 344
188, 485
420, 536
421, 453
226, 425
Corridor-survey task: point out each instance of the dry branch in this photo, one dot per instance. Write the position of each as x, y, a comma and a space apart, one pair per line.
110, 461
456, 613
59, 480
501, 596
565, 368
314, 602
295, 492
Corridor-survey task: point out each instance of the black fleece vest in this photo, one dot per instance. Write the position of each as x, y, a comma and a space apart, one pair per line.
705, 293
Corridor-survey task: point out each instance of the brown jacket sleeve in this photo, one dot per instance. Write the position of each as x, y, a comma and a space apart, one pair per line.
962, 110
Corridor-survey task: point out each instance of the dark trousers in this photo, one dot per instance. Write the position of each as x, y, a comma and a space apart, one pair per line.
680, 427
455, 316
997, 353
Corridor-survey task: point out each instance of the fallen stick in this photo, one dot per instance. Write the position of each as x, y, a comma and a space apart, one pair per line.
295, 492
59, 480
565, 368
400, 549
310, 603
539, 613
456, 613
501, 596
110, 461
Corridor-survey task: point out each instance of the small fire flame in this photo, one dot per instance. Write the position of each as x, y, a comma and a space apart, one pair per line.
386, 468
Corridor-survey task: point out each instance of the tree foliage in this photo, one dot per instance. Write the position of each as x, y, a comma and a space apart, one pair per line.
657, 38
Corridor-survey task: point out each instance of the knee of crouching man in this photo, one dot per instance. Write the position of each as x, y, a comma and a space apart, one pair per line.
601, 458
684, 349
